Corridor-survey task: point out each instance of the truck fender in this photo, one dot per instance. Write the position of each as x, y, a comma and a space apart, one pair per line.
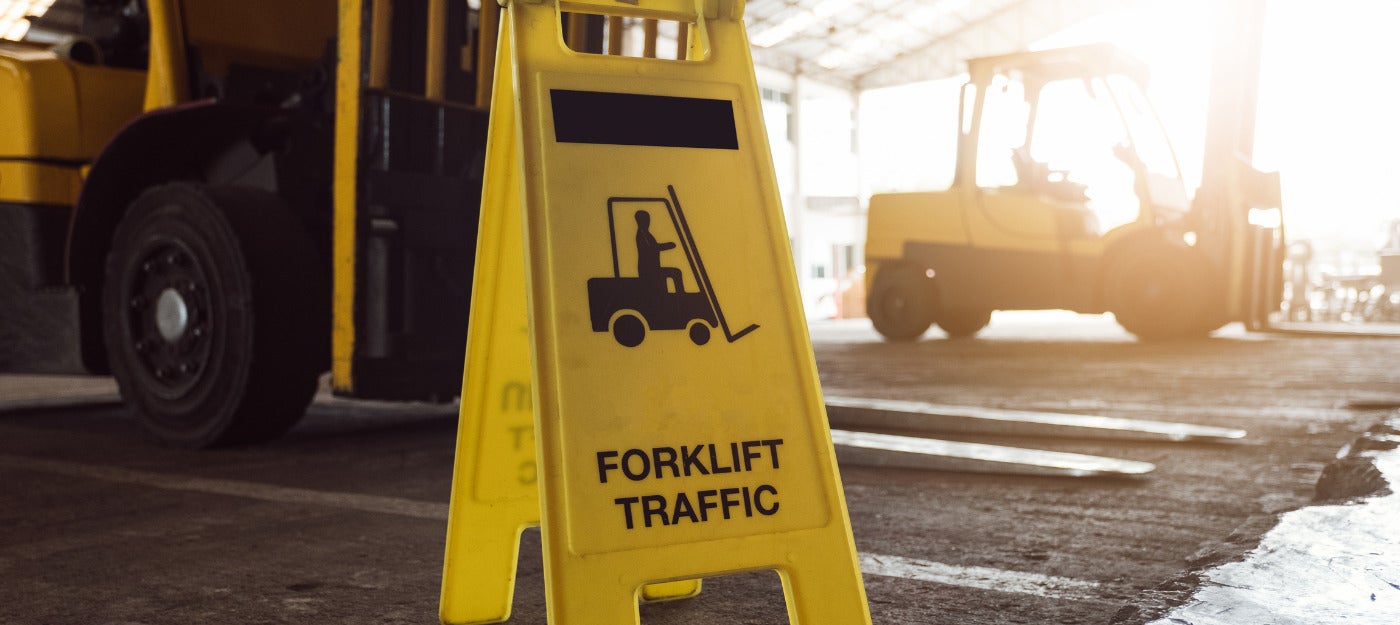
1118, 251
1158, 241
172, 143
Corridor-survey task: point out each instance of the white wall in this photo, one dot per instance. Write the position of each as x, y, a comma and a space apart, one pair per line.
822, 162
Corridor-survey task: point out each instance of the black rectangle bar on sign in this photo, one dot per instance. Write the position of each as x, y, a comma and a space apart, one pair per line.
607, 118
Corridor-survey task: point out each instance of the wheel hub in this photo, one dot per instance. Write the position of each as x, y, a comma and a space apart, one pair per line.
172, 315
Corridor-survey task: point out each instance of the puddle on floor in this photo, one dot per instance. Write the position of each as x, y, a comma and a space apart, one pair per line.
1321, 564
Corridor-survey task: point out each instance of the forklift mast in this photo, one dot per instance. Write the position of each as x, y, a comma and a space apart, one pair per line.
1237, 211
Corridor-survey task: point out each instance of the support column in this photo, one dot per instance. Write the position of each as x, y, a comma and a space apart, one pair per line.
797, 225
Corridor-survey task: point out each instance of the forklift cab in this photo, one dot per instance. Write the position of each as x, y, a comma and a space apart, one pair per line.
1064, 146
1060, 155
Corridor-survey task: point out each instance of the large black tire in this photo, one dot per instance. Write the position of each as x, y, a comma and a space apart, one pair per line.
215, 314
901, 302
961, 323
1162, 292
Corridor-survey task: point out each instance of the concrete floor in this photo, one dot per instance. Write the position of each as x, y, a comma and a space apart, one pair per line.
343, 520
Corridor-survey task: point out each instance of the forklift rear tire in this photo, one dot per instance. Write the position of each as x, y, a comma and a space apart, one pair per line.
215, 314
901, 302
629, 330
961, 323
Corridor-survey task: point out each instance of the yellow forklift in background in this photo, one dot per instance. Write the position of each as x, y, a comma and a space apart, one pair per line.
1067, 195
218, 201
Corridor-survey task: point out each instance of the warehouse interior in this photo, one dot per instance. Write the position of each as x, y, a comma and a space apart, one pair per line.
1094, 304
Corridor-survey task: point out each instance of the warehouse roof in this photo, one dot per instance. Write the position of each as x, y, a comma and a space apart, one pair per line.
864, 44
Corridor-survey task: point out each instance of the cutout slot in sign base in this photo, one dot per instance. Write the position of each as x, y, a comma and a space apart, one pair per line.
679, 427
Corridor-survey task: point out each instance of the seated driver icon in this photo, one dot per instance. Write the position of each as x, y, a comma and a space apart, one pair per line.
655, 299
649, 251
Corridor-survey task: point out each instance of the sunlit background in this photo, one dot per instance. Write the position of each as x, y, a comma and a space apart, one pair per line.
1326, 121
1326, 117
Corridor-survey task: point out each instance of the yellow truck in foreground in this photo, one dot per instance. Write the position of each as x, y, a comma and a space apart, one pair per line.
217, 201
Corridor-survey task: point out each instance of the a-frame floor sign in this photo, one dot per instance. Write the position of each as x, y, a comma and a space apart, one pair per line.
679, 427
495, 494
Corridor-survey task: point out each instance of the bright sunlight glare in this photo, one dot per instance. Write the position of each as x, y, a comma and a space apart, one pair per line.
13, 24
1326, 116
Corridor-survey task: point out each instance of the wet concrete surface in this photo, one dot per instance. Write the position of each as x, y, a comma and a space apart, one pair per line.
1330, 563
343, 520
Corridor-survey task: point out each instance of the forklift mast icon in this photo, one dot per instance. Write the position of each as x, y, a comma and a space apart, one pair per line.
655, 299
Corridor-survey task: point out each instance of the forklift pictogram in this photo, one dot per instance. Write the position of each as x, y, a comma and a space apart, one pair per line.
655, 298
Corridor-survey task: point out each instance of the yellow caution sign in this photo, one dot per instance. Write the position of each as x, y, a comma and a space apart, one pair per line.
679, 426
495, 492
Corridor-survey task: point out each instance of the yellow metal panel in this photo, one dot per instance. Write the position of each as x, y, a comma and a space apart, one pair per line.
731, 394
437, 41
347, 132
489, 20
108, 99
37, 183
167, 81
895, 218
58, 109
282, 34
381, 14
1012, 219
38, 95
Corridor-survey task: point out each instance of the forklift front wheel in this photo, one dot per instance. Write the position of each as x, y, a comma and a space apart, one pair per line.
699, 332
214, 314
629, 330
1161, 293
